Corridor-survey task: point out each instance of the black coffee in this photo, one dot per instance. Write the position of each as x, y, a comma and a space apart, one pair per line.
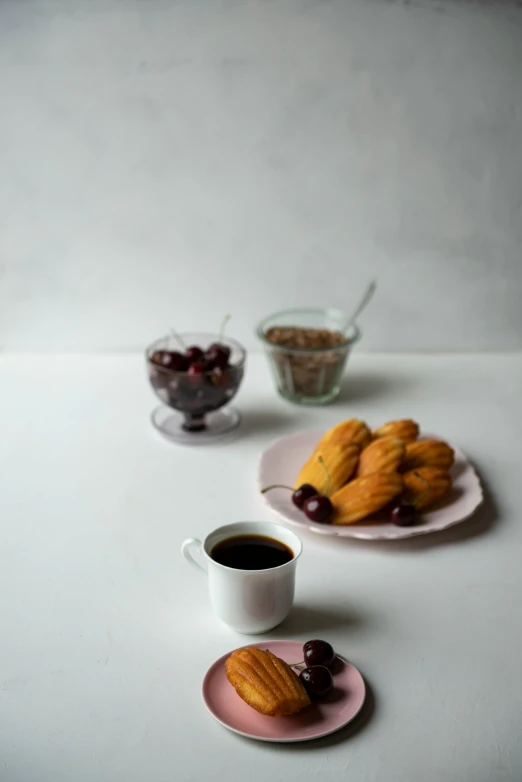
251, 552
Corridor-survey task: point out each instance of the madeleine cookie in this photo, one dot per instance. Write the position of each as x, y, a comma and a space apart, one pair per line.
424, 485
427, 453
382, 455
405, 429
265, 682
340, 460
364, 496
353, 430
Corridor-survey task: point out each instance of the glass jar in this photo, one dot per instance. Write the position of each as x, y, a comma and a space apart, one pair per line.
306, 374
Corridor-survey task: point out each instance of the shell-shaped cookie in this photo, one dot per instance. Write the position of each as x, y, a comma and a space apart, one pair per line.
340, 459
405, 429
364, 496
382, 455
425, 485
353, 430
265, 682
428, 453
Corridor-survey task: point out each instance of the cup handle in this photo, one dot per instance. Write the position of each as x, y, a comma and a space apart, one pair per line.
198, 546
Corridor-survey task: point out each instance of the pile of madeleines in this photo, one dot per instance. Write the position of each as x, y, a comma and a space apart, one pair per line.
355, 473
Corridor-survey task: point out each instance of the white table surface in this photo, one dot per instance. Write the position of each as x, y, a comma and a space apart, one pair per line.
107, 632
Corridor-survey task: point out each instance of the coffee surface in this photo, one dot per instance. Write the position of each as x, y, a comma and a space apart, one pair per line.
251, 552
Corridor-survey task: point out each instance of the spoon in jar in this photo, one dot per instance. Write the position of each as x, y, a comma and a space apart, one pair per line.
368, 293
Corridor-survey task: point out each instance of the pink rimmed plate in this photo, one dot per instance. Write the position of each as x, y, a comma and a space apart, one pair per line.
319, 719
282, 460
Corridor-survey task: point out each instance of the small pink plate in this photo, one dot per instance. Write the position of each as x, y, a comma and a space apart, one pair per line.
282, 460
319, 719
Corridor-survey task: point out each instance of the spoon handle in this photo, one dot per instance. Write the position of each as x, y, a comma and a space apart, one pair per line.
370, 290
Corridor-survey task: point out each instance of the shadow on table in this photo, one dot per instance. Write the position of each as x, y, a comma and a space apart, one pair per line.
273, 423
360, 385
356, 386
308, 620
357, 724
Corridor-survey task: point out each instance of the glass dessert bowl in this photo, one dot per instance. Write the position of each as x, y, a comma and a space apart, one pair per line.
307, 351
195, 384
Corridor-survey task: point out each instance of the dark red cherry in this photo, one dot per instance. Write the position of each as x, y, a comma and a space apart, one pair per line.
197, 369
317, 681
222, 378
170, 359
318, 652
302, 494
403, 514
318, 509
217, 378
161, 358
217, 355
178, 362
194, 354
299, 496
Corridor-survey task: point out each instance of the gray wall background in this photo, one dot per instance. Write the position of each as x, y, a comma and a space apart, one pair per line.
164, 163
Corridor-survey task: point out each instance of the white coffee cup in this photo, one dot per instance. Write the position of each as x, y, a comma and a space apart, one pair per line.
249, 601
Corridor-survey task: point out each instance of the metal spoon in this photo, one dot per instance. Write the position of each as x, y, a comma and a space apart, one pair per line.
368, 293
175, 336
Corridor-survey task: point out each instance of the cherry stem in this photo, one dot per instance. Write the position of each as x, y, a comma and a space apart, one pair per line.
296, 665
178, 339
427, 490
223, 326
327, 473
276, 486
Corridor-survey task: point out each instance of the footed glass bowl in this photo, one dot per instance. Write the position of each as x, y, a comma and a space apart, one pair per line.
197, 399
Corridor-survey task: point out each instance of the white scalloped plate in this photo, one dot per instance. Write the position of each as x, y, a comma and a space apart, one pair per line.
282, 460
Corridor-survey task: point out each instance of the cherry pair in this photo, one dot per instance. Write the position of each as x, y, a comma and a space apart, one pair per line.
316, 507
316, 677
